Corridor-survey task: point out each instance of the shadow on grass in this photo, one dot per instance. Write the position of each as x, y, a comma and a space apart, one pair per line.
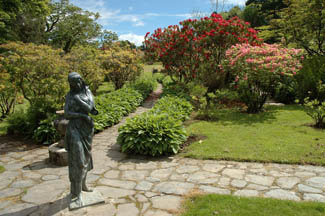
233, 116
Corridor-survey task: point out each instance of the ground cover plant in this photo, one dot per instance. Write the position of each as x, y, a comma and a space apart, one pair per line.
157, 132
113, 106
281, 134
226, 205
106, 87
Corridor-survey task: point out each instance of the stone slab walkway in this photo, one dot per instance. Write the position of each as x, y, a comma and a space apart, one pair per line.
134, 186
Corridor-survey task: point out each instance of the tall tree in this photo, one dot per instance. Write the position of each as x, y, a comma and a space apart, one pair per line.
261, 13
107, 39
22, 20
303, 23
69, 25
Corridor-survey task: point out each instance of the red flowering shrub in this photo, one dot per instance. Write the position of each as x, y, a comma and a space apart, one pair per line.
194, 49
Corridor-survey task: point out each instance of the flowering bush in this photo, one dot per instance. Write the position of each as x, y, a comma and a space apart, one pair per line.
194, 49
258, 68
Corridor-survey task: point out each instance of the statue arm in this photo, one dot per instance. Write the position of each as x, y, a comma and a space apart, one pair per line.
72, 115
84, 106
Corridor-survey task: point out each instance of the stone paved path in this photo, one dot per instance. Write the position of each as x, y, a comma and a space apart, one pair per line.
135, 186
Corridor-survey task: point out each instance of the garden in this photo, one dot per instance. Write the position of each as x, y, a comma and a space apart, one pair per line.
230, 92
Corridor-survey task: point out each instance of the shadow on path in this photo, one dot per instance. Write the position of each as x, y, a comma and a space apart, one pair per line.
16, 144
46, 209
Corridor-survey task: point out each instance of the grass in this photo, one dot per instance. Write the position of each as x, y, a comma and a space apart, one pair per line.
281, 134
149, 68
227, 205
2, 169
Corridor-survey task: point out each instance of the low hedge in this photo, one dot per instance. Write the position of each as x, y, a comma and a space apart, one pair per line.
157, 132
113, 106
144, 86
175, 107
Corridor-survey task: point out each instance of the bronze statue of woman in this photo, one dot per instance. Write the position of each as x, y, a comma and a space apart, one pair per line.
79, 133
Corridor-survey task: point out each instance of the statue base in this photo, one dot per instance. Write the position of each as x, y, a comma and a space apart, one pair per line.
58, 155
88, 199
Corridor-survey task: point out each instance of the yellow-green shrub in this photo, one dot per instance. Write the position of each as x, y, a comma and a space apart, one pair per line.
121, 65
86, 61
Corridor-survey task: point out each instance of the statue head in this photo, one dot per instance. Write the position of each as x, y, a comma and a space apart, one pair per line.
76, 82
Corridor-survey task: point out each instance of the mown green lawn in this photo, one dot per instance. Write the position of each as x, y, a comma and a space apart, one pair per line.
226, 205
281, 134
149, 68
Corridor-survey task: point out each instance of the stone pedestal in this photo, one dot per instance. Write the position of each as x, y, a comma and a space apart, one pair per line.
57, 154
88, 199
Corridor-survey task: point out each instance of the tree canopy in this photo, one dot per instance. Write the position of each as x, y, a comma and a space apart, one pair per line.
303, 23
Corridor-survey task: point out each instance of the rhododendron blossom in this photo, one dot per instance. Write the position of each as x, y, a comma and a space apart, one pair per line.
197, 46
258, 68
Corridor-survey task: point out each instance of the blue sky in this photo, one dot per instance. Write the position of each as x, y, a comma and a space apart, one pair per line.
132, 19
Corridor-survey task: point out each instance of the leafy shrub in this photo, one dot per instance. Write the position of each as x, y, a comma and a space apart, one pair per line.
176, 89
253, 97
286, 90
85, 60
316, 108
223, 98
121, 65
113, 106
159, 77
177, 108
144, 86
192, 91
308, 77
19, 123
35, 123
158, 131
46, 133
38, 70
151, 134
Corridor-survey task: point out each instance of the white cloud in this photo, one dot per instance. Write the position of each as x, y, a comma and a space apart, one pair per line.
113, 17
137, 24
227, 2
136, 39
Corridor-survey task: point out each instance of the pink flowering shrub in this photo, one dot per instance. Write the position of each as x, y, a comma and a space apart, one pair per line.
257, 69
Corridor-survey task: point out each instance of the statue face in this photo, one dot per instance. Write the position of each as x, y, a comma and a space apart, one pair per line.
76, 84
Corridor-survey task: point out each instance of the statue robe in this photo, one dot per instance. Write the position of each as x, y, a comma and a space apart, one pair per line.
78, 138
